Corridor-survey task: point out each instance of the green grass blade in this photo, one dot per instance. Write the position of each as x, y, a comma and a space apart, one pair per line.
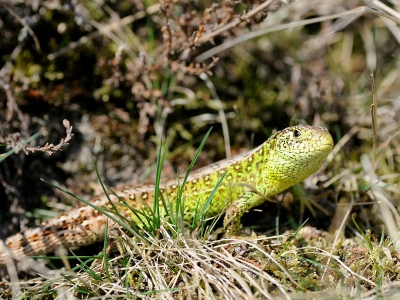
292, 238
367, 239
201, 216
105, 256
100, 209
196, 155
156, 206
12, 151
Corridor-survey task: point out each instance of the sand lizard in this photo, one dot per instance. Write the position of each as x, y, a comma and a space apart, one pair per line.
285, 159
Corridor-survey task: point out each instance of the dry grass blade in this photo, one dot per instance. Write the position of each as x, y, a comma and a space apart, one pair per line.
104, 30
357, 12
389, 214
24, 23
221, 113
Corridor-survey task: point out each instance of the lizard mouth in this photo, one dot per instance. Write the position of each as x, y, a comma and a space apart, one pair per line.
326, 146
327, 143
330, 146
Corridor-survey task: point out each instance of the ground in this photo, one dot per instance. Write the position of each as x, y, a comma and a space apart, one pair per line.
129, 74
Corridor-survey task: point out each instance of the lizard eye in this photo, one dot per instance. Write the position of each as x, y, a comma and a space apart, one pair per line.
296, 133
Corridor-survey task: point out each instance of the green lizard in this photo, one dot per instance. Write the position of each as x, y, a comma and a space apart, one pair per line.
285, 159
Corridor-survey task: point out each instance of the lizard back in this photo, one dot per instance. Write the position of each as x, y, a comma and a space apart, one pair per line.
286, 158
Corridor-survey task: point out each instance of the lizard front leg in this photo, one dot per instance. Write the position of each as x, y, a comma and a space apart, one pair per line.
236, 210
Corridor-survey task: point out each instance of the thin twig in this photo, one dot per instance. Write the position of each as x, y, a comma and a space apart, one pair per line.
51, 148
235, 22
26, 25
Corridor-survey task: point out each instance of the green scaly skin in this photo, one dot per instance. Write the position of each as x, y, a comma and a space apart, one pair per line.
285, 159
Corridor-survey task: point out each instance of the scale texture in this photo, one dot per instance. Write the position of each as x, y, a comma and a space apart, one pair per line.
285, 159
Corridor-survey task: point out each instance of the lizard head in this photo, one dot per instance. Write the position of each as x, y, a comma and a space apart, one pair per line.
295, 153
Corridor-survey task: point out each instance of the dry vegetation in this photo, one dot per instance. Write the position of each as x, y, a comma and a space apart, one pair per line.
127, 73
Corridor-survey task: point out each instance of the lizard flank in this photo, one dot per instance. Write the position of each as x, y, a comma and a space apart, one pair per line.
285, 159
